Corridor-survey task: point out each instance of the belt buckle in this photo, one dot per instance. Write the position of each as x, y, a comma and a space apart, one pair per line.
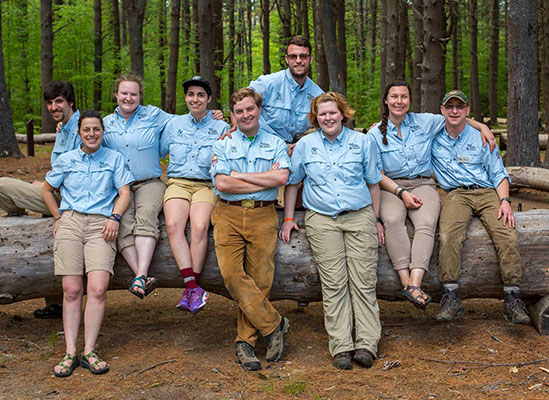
248, 203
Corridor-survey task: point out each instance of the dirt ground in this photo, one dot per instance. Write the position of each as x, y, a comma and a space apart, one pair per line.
158, 352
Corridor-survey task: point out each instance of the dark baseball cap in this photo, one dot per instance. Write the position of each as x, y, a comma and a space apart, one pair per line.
198, 81
458, 94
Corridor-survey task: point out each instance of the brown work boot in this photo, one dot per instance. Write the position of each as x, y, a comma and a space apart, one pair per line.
343, 360
275, 341
363, 357
514, 309
450, 306
245, 356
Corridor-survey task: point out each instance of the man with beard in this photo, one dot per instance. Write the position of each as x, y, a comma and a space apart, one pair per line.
287, 94
16, 196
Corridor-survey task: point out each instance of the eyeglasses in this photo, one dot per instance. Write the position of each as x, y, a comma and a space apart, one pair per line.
293, 57
459, 107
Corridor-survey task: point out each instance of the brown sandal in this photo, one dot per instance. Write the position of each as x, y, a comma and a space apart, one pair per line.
418, 301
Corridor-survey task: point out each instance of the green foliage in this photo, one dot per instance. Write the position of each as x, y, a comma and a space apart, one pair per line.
295, 388
74, 55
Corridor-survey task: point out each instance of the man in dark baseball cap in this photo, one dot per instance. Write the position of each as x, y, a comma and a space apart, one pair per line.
455, 94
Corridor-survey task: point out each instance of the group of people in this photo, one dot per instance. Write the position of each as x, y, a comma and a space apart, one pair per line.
105, 193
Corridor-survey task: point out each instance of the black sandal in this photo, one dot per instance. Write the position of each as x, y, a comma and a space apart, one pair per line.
67, 369
408, 294
150, 285
85, 363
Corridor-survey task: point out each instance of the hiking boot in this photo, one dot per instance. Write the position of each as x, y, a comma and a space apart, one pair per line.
450, 306
49, 312
363, 357
514, 309
245, 356
184, 302
275, 341
197, 299
343, 360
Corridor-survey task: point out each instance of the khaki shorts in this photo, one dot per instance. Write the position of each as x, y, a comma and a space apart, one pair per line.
79, 246
195, 192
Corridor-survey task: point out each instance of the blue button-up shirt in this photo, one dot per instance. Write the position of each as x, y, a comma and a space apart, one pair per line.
67, 138
137, 139
409, 156
465, 161
241, 155
285, 104
189, 144
89, 183
335, 174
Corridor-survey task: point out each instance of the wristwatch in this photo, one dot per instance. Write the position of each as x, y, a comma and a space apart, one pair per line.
115, 217
505, 198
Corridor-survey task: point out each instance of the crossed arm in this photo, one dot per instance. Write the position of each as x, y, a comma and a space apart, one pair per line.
252, 182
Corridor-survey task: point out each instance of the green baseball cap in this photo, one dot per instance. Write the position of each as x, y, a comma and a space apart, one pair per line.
458, 94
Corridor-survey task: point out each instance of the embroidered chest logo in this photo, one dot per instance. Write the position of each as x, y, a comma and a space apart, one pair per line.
310, 97
471, 147
278, 97
179, 133
314, 151
263, 145
102, 164
212, 131
234, 149
354, 146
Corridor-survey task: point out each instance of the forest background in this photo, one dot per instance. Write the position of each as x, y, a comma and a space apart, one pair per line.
497, 51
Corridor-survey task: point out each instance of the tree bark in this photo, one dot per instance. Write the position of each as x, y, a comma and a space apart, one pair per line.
116, 37
341, 42
136, 14
434, 42
332, 52
494, 61
98, 58
322, 76
418, 55
231, 48
393, 70
124, 23
373, 35
473, 52
265, 35
46, 58
207, 47
522, 100
8, 143
26, 270
545, 70
171, 83
382, 54
536, 178
160, 52
454, 18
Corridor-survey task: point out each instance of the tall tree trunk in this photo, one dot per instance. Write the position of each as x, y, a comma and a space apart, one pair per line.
418, 55
434, 42
285, 11
171, 83
473, 53
522, 100
494, 61
453, 5
8, 142
116, 37
207, 46
298, 17
265, 34
545, 70
395, 65
341, 42
196, 34
322, 77
373, 35
249, 39
23, 38
332, 52
136, 15
361, 17
217, 22
161, 51
186, 36
124, 22
231, 49
405, 46
46, 58
97, 61
383, 58
305, 18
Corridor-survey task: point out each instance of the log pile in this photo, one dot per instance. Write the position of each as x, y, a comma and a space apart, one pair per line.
26, 266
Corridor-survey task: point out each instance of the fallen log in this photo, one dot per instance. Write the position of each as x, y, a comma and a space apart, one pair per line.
536, 178
38, 139
543, 139
26, 269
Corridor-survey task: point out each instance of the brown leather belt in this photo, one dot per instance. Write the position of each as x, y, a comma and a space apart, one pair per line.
248, 203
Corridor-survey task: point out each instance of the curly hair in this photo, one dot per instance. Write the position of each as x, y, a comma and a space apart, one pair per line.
129, 78
385, 115
337, 98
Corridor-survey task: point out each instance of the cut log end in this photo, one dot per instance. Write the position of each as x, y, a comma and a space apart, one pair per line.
539, 313
6, 298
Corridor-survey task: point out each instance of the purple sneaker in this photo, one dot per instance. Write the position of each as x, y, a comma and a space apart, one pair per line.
197, 299
184, 303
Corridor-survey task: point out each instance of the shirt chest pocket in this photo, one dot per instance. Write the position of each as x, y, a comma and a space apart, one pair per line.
392, 159
205, 152
263, 161
470, 158
353, 168
422, 150
316, 172
179, 152
102, 179
277, 115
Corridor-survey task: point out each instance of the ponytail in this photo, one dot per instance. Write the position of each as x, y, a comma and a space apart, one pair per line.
383, 126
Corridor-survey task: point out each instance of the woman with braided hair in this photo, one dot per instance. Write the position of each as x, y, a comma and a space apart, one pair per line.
403, 142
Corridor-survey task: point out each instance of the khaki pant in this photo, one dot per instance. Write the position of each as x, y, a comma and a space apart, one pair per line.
141, 217
458, 209
17, 196
393, 213
245, 244
345, 250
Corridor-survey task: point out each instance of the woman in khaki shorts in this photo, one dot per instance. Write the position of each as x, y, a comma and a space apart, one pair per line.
188, 139
403, 142
85, 230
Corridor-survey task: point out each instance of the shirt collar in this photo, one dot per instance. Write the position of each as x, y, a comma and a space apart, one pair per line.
204, 120
72, 122
405, 122
338, 140
137, 111
82, 155
291, 81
